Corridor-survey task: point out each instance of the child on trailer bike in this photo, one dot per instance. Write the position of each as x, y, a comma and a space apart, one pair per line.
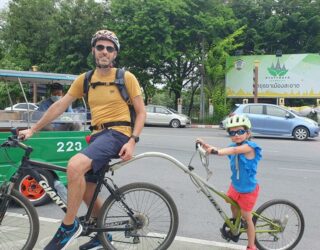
244, 156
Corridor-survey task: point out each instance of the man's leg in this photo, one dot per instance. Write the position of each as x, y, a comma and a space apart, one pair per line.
88, 197
94, 243
70, 227
77, 167
103, 147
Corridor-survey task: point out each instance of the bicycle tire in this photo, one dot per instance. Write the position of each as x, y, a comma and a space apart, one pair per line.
19, 228
281, 212
151, 205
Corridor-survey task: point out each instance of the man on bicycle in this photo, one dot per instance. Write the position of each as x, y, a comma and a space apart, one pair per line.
112, 134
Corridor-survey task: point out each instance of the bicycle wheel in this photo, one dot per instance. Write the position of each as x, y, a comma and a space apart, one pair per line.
154, 210
19, 228
285, 214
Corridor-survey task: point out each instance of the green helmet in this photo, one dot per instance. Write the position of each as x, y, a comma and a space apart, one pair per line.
238, 121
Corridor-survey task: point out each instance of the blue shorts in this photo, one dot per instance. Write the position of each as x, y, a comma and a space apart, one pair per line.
103, 147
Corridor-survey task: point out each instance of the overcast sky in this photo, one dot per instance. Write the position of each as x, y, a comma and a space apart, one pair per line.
3, 3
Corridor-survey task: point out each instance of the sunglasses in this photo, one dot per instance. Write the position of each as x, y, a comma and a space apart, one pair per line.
237, 132
101, 47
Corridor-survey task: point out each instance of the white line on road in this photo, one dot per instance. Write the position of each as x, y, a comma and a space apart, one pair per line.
49, 220
177, 238
208, 243
302, 170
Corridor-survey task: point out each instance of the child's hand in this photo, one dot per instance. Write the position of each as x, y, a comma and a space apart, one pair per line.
206, 147
200, 141
211, 148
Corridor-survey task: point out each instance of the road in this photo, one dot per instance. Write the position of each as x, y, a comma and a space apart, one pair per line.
289, 169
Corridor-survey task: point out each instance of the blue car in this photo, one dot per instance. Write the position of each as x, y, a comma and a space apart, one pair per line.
273, 120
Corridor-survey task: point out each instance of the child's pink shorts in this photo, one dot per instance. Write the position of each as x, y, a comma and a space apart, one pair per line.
246, 201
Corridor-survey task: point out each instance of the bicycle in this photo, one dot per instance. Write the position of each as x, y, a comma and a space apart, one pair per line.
138, 215
279, 223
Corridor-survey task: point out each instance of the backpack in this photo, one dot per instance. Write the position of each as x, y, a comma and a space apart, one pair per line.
120, 83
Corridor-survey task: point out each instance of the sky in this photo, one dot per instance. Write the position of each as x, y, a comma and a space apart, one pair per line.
3, 3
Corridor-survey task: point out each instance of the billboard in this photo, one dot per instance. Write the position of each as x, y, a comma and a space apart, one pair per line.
288, 76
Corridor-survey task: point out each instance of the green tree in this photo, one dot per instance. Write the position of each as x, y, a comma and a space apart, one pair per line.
74, 23
165, 41
27, 31
289, 25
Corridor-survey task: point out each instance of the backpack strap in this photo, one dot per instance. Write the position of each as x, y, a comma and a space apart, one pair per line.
119, 81
86, 82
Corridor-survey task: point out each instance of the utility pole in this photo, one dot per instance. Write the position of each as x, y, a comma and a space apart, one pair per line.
201, 68
35, 89
255, 81
202, 72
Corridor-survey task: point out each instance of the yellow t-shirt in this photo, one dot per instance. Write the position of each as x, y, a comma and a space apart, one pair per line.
106, 103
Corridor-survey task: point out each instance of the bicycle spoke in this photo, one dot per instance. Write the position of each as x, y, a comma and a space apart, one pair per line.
289, 227
154, 215
18, 230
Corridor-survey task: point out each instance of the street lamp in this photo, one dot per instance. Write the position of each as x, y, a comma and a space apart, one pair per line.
255, 80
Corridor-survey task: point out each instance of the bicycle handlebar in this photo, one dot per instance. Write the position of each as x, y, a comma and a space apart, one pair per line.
204, 158
200, 149
15, 141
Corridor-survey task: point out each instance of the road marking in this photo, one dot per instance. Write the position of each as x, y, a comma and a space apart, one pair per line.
177, 238
208, 243
201, 242
49, 220
301, 170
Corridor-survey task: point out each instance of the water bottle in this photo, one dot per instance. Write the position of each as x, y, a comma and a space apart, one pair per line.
61, 190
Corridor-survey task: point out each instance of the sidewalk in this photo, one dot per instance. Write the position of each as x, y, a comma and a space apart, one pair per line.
48, 228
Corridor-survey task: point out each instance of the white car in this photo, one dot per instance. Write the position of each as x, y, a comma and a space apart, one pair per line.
23, 107
160, 115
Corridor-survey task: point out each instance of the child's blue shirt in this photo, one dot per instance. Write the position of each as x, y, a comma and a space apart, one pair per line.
245, 181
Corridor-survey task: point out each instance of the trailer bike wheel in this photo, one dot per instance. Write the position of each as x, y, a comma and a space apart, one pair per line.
155, 213
289, 227
19, 225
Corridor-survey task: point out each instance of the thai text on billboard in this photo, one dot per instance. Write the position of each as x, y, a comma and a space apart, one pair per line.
294, 76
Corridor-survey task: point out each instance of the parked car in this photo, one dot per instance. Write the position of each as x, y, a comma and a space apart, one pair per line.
273, 120
23, 107
160, 115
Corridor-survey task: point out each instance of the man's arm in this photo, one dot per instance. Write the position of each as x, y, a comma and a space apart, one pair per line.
126, 151
52, 113
140, 110
243, 149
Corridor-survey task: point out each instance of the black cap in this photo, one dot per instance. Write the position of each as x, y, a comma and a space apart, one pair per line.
56, 86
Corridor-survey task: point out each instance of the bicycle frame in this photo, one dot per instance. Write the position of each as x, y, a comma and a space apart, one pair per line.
198, 181
31, 165
205, 188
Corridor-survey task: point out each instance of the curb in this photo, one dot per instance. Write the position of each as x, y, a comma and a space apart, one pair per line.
203, 126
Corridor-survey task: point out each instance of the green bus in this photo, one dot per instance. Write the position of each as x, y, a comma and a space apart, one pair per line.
55, 147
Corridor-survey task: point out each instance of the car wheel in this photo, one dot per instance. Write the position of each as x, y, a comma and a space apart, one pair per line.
300, 133
175, 123
30, 188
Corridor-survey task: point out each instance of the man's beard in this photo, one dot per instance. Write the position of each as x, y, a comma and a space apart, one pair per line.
102, 65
